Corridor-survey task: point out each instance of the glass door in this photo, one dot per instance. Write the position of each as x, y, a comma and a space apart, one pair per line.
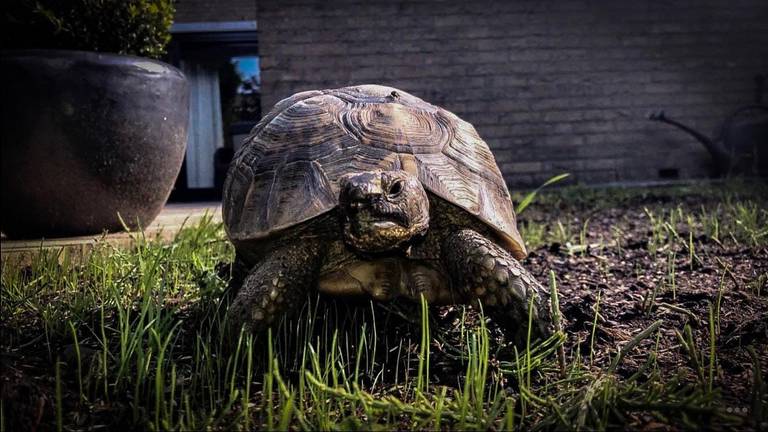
225, 103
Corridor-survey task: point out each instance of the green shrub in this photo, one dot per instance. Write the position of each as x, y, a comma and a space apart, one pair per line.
136, 27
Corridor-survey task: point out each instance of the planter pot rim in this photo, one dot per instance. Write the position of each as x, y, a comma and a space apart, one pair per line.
118, 60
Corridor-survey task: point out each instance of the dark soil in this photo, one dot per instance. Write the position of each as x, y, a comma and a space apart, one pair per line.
625, 278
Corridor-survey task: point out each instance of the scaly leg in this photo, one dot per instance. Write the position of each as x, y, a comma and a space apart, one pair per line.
275, 286
483, 270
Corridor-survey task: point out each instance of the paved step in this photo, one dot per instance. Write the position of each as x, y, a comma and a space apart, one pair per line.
164, 228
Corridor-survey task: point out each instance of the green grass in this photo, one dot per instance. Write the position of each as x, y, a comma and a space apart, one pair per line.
134, 338
737, 216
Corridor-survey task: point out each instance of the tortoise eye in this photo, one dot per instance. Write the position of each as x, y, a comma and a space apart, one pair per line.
396, 188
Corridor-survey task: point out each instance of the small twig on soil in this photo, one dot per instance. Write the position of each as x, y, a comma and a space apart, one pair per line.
679, 309
730, 274
633, 343
557, 321
574, 249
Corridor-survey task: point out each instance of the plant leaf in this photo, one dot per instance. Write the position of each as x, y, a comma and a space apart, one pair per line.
528, 199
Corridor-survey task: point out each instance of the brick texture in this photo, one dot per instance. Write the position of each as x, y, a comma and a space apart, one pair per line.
552, 86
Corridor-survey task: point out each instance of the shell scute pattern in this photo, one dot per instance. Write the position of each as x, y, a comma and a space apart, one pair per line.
290, 166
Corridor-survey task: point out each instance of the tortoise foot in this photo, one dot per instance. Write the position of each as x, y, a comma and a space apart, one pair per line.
274, 287
507, 291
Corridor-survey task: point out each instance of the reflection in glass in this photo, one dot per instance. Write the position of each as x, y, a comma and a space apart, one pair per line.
246, 105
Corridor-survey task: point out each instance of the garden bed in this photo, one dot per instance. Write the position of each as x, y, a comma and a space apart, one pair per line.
662, 291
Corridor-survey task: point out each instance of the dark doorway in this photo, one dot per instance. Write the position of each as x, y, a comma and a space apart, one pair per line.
221, 62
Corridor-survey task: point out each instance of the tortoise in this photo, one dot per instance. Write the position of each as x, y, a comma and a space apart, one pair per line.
368, 190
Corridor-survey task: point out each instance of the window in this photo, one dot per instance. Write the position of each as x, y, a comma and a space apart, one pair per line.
221, 63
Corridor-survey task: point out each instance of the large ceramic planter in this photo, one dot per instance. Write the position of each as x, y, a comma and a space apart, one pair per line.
85, 137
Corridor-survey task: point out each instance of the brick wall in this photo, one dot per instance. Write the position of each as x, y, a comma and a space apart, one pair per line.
215, 10
552, 86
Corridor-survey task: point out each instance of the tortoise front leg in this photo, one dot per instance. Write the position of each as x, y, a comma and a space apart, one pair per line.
481, 269
275, 286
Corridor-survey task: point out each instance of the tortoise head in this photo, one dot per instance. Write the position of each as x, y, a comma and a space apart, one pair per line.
382, 210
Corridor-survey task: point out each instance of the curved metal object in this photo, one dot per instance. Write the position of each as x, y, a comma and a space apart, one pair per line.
741, 144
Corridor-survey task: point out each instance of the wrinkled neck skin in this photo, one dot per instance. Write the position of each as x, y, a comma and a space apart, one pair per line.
382, 211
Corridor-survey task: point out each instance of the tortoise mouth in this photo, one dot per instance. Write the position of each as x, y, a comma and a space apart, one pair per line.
370, 221
370, 230
385, 224
364, 215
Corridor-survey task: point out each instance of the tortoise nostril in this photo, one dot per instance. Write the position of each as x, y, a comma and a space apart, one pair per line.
356, 194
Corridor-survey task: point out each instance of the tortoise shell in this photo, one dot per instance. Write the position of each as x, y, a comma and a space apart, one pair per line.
289, 167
